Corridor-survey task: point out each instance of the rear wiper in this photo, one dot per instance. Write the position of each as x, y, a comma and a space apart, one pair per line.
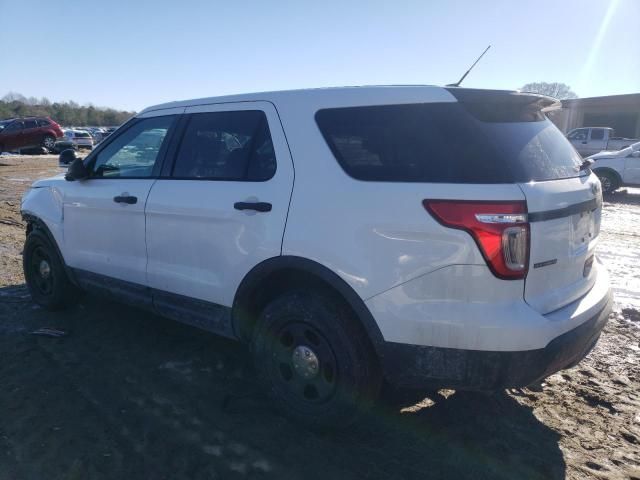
585, 165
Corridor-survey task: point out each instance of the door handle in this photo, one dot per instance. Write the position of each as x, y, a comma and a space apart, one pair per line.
128, 199
257, 206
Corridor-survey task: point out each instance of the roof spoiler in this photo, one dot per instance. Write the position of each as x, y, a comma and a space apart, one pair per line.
504, 100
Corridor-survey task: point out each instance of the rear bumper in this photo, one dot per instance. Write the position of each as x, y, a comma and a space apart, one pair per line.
419, 366
571, 332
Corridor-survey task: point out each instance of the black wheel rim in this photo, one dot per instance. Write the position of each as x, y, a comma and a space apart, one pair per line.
303, 364
606, 183
42, 277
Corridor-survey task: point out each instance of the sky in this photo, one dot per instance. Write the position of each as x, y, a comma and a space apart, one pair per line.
129, 54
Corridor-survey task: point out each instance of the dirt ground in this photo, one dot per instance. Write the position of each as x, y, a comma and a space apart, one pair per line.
128, 395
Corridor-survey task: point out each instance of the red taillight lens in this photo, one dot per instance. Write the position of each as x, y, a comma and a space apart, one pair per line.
500, 229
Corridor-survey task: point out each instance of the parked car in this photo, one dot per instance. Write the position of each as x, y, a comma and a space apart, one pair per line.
440, 237
64, 144
588, 141
18, 133
80, 138
618, 169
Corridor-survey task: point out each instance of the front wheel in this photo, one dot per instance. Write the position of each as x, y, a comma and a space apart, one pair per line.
314, 360
608, 181
45, 274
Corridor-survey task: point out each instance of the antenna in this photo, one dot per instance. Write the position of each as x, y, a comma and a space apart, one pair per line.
457, 84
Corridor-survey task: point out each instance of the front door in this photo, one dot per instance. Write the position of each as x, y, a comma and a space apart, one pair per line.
222, 207
13, 136
631, 175
104, 224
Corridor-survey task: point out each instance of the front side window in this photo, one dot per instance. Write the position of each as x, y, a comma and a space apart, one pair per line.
134, 153
226, 146
580, 134
14, 127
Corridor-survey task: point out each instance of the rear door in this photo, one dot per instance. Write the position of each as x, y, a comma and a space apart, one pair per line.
597, 141
32, 136
222, 206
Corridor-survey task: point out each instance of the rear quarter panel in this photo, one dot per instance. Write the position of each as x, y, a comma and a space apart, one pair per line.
374, 235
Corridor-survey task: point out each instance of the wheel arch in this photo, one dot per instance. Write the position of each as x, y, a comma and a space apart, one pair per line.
277, 275
610, 170
36, 223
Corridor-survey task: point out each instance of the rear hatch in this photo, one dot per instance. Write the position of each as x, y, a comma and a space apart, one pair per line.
564, 217
564, 201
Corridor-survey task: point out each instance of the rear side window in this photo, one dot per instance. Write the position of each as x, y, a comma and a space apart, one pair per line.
30, 124
226, 146
43, 123
597, 134
446, 143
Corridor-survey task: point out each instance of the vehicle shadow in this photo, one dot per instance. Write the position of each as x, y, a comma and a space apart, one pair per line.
126, 394
623, 196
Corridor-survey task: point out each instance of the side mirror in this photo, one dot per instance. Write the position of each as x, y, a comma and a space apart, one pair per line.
76, 171
67, 156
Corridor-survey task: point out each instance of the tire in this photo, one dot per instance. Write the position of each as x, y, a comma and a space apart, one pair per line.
314, 360
48, 142
45, 274
609, 181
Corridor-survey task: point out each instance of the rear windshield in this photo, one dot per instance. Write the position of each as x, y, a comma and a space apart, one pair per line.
447, 143
82, 134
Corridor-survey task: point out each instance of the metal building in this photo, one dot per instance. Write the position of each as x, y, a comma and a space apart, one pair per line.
620, 112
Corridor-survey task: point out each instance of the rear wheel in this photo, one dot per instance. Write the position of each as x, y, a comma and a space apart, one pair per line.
45, 274
609, 181
313, 359
49, 142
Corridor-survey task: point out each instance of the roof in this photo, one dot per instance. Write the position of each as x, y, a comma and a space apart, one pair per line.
365, 94
284, 94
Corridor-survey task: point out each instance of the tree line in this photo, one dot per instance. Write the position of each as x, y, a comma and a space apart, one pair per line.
65, 113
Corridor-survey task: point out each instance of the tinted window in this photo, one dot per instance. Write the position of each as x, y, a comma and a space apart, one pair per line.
30, 124
133, 153
597, 134
13, 127
83, 135
446, 143
43, 122
226, 146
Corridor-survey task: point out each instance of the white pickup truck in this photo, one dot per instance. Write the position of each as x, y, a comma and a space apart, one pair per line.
618, 169
590, 140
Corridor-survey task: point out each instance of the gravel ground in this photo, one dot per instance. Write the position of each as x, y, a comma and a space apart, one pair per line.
126, 394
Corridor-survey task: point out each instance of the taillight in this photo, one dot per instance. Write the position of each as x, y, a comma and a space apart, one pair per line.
500, 229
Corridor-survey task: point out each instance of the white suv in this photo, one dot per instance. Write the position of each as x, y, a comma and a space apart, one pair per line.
427, 236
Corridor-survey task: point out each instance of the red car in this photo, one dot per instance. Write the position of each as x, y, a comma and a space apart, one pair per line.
17, 133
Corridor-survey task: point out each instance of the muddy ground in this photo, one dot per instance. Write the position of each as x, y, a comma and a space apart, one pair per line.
128, 395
